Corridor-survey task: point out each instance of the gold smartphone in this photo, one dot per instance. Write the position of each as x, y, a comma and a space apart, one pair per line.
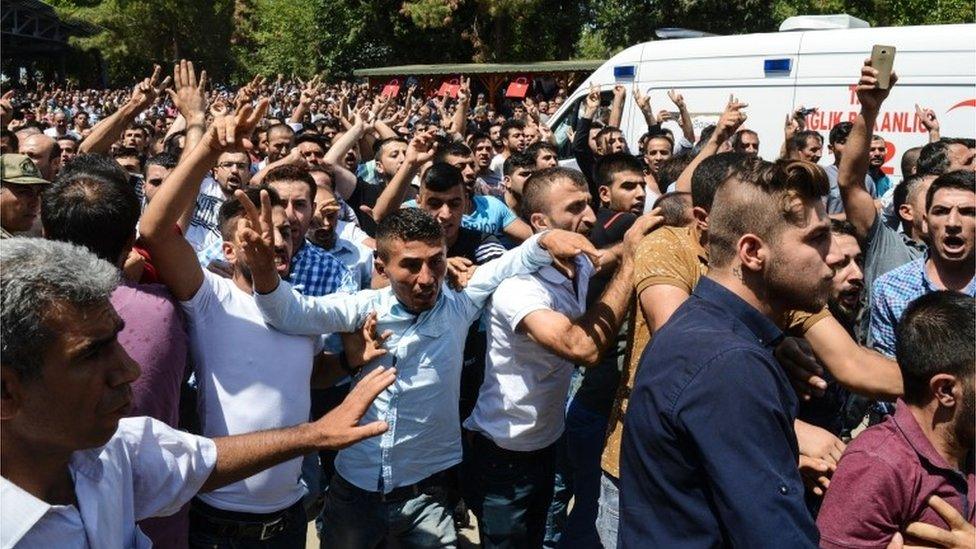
882, 59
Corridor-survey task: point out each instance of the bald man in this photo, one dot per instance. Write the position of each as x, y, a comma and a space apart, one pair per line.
45, 153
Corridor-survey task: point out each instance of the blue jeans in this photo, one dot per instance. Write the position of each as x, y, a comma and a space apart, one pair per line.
510, 493
608, 516
585, 431
355, 518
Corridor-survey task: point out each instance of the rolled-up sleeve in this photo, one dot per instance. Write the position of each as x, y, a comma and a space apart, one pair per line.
293, 313
734, 414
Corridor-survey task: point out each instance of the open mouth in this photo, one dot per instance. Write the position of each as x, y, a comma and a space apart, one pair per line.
281, 263
850, 298
953, 245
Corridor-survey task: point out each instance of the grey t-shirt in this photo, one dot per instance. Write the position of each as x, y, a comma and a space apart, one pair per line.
887, 249
833, 202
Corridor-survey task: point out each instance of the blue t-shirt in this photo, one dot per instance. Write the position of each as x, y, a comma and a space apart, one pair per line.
490, 216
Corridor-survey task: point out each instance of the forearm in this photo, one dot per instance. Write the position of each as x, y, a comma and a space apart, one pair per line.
460, 121
525, 258
339, 149
395, 192
242, 456
858, 203
298, 113
384, 130
867, 373
109, 130
193, 136
293, 313
684, 180
598, 327
687, 127
616, 111
934, 135
177, 193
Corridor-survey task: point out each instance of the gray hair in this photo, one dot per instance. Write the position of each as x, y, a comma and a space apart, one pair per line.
35, 276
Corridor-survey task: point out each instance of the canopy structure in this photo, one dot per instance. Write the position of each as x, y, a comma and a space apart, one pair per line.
492, 75
32, 36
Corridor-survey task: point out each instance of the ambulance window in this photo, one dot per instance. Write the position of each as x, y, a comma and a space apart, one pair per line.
561, 127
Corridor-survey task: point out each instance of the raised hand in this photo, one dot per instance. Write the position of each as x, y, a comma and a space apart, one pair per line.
731, 119
311, 90
619, 91
340, 427
365, 345
664, 115
643, 101
229, 132
868, 92
926, 115
190, 96
6, 108
592, 100
255, 230
677, 99
464, 92
145, 92
421, 149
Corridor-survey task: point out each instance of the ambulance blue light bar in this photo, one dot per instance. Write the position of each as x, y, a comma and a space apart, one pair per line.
777, 66
624, 73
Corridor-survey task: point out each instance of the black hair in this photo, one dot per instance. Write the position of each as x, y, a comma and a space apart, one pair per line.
172, 143
378, 145
535, 193
614, 163
311, 138
935, 336
232, 208
839, 132
673, 205
442, 177
509, 125
933, 159
709, 175
452, 148
956, 179
164, 159
737, 139
92, 203
799, 139
14, 142
842, 227
291, 172
406, 225
67, 137
909, 161
703, 138
518, 160
900, 195
534, 149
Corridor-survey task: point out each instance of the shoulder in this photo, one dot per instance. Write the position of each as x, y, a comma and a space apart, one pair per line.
905, 276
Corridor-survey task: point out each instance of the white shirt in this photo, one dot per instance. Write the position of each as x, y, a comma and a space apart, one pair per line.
498, 165
358, 258
346, 230
203, 232
521, 404
251, 377
146, 469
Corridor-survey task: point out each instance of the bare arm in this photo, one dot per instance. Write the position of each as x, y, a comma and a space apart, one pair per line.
108, 130
617, 107
687, 128
419, 152
644, 105
730, 121
659, 302
858, 369
858, 203
930, 121
460, 122
242, 456
518, 230
190, 98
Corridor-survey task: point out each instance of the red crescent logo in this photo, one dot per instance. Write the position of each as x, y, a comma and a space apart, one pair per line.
967, 103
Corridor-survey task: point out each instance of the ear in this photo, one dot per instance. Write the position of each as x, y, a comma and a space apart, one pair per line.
604, 192
946, 389
230, 254
507, 182
906, 212
539, 222
701, 218
379, 266
752, 252
11, 389
925, 223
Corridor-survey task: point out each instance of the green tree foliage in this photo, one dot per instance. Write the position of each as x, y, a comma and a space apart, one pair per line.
235, 39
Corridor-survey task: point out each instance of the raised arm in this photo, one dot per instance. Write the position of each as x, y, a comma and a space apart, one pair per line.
687, 128
420, 150
617, 106
459, 122
108, 130
643, 103
171, 253
242, 456
858, 203
930, 121
728, 123
310, 90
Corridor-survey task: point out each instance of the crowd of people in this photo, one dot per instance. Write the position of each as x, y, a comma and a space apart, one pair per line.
226, 312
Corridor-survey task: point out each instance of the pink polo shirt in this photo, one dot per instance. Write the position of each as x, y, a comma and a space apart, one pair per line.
883, 482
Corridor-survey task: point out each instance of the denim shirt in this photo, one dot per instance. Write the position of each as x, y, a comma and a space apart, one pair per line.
421, 407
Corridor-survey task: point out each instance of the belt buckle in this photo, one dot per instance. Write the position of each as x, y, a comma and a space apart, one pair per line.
268, 530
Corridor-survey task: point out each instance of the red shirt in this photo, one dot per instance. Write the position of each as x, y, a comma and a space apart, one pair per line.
883, 482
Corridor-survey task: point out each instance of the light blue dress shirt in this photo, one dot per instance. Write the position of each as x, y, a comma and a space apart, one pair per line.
421, 407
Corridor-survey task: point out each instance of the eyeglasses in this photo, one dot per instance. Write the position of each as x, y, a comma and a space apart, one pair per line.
229, 165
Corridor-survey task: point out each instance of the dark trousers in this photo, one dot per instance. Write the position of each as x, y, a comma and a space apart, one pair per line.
212, 528
510, 493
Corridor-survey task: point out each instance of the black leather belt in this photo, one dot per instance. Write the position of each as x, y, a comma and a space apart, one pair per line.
401, 493
261, 527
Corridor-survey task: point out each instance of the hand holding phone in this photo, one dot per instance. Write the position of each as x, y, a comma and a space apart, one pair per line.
882, 60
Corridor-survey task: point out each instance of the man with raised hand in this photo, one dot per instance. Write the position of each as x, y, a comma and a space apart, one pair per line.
250, 376
398, 485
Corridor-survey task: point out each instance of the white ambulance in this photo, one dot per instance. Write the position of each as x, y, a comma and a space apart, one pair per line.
813, 61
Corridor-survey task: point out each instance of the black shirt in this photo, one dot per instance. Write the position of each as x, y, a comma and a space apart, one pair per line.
365, 194
599, 386
477, 246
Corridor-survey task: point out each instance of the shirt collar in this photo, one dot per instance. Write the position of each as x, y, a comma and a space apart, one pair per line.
912, 431
699, 250
762, 327
30, 510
